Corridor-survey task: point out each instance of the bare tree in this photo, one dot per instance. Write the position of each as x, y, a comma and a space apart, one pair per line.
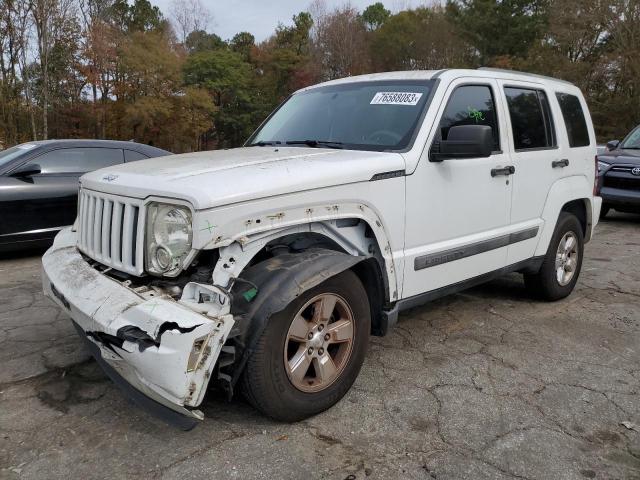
23, 24
318, 11
43, 12
15, 25
189, 16
100, 42
340, 43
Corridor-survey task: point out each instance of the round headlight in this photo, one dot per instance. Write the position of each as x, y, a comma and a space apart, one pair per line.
163, 258
169, 237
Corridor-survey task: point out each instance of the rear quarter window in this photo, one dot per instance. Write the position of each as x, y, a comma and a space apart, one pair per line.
132, 156
574, 120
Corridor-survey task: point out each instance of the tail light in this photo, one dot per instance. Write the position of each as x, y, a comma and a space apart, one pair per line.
596, 178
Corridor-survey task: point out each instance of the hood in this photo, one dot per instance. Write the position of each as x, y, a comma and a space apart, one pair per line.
621, 156
215, 178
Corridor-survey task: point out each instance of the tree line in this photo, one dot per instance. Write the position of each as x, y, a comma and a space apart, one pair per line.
123, 69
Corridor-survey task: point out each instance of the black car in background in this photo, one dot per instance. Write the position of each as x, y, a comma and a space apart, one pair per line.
619, 175
39, 184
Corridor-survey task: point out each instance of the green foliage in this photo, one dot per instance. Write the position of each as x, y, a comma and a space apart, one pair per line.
201, 41
141, 16
374, 16
296, 37
498, 28
418, 39
242, 43
223, 72
114, 69
226, 76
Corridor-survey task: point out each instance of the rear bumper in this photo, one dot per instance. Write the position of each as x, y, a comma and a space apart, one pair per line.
596, 206
157, 349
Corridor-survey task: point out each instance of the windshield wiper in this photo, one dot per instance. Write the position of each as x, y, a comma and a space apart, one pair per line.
316, 143
266, 144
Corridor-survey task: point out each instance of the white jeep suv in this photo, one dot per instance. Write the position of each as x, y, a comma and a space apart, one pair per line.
266, 268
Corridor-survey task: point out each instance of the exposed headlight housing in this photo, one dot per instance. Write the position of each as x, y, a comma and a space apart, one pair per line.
169, 234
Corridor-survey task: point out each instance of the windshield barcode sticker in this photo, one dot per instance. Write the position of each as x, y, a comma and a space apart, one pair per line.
396, 98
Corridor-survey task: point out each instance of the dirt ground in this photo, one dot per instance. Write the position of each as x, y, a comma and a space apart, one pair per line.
484, 384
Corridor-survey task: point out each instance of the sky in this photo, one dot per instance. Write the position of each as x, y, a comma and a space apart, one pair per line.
260, 17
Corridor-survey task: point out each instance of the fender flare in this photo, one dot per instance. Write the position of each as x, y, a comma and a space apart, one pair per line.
561, 192
279, 281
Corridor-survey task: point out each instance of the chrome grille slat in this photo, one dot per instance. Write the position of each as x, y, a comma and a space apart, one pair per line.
116, 226
90, 217
111, 230
97, 228
139, 260
85, 212
106, 230
127, 232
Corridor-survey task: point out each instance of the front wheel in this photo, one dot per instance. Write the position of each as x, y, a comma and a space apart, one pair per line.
562, 263
310, 353
604, 211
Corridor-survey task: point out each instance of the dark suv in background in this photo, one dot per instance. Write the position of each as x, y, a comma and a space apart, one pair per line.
619, 175
39, 184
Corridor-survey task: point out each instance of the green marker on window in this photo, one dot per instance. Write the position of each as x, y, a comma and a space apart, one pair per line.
476, 115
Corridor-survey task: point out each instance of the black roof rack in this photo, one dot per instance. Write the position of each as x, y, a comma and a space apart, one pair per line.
504, 70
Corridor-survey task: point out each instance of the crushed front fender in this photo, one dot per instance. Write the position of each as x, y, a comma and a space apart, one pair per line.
161, 348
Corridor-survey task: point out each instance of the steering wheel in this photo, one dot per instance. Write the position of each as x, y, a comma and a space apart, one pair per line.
379, 135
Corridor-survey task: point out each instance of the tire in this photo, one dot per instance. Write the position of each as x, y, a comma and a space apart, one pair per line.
277, 389
604, 211
547, 283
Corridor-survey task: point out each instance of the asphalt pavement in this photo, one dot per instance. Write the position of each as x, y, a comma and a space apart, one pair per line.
488, 383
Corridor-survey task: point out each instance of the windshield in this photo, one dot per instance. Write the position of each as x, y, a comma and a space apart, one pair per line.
12, 153
632, 141
358, 116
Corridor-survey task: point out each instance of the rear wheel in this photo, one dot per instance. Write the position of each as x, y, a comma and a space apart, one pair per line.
310, 353
562, 263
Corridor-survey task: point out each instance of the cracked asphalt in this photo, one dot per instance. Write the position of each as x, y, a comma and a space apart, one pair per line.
484, 384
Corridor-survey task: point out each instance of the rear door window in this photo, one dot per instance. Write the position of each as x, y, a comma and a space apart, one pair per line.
574, 120
78, 160
471, 105
531, 122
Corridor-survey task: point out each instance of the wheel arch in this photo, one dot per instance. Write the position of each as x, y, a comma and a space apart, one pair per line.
570, 194
581, 209
368, 265
355, 230
268, 287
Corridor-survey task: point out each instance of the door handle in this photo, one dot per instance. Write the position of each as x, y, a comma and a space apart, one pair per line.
503, 171
560, 163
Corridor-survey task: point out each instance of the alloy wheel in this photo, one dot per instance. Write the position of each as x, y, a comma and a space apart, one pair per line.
567, 258
319, 342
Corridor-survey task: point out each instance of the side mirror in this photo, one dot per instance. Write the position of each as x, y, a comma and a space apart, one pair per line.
464, 141
612, 145
26, 170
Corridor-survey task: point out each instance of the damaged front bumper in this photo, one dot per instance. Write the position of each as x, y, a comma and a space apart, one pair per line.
161, 348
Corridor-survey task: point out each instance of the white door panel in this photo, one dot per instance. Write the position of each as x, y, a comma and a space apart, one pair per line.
455, 209
534, 169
